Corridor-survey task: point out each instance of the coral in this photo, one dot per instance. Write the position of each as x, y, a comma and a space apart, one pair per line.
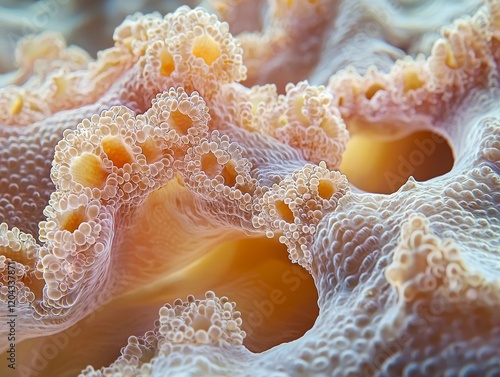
211, 322
424, 264
155, 172
89, 25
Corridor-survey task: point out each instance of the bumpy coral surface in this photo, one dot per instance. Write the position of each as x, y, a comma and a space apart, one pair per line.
178, 206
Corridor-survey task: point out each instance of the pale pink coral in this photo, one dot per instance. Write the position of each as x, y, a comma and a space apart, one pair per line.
157, 175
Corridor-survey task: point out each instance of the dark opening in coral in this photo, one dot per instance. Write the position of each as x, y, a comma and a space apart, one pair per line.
379, 165
277, 299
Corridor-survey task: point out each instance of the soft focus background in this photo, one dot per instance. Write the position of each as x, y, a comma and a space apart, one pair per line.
85, 23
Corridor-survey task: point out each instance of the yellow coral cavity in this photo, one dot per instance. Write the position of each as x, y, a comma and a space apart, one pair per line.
373, 89
277, 298
167, 63
387, 164
288, 287
72, 219
207, 48
330, 127
412, 81
229, 173
89, 170
298, 110
150, 150
284, 211
450, 60
180, 122
117, 151
61, 87
326, 188
210, 165
16, 105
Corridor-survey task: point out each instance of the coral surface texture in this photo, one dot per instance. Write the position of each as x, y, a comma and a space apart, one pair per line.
256, 188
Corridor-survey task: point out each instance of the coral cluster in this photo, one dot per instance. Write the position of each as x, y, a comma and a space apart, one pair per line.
153, 173
88, 24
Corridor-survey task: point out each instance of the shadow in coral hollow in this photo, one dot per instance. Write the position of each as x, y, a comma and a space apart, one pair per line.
277, 299
379, 165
